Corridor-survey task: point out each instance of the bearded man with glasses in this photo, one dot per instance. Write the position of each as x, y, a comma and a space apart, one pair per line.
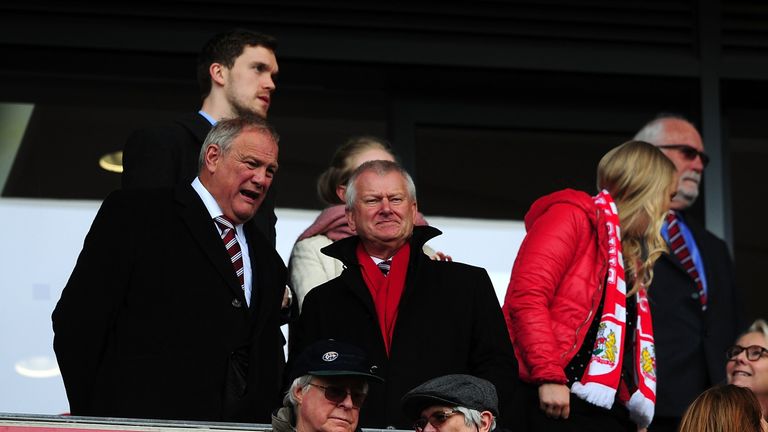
452, 403
330, 382
696, 308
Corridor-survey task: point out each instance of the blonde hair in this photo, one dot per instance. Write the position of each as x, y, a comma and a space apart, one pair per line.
640, 180
759, 326
723, 409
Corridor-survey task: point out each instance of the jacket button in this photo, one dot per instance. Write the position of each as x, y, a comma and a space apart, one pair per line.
695, 296
237, 303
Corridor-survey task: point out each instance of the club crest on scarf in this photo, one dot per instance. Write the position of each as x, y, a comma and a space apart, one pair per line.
605, 351
647, 348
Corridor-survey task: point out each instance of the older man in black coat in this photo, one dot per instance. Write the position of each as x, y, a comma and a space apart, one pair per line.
160, 319
696, 307
416, 318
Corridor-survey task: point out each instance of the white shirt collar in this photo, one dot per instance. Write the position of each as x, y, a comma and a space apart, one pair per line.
210, 202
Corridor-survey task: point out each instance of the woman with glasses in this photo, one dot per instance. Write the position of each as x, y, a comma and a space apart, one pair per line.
748, 362
576, 305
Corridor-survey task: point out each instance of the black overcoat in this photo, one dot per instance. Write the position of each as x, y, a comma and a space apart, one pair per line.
154, 324
691, 343
449, 321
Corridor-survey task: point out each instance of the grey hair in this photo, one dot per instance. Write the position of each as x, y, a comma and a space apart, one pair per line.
302, 383
653, 131
225, 131
759, 326
473, 417
380, 167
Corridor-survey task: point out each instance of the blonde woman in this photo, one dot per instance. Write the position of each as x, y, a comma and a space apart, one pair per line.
576, 308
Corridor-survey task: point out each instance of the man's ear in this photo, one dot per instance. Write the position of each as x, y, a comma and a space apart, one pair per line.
298, 394
486, 420
350, 219
212, 157
217, 73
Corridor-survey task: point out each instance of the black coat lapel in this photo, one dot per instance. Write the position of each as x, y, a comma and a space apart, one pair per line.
198, 220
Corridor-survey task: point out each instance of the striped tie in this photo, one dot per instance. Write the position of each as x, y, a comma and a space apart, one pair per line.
233, 247
680, 249
384, 266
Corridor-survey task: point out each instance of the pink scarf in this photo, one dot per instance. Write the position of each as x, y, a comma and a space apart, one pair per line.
332, 222
602, 377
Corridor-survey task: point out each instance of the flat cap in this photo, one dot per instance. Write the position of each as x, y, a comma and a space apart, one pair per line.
329, 357
452, 390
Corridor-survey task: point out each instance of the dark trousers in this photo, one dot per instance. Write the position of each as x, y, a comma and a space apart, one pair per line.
584, 416
664, 424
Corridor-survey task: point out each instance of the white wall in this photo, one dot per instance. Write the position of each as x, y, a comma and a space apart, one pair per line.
39, 244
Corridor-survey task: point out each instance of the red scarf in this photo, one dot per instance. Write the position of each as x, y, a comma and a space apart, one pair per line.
385, 290
602, 377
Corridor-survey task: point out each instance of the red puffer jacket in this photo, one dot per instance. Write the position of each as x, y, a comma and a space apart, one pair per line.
556, 284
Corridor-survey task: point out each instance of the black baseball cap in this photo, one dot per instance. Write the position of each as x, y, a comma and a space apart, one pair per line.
333, 358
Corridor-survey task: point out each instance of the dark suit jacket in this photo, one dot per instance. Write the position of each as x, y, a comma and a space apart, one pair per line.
449, 321
167, 155
691, 344
153, 322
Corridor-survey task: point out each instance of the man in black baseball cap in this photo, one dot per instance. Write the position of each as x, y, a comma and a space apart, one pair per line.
453, 403
329, 384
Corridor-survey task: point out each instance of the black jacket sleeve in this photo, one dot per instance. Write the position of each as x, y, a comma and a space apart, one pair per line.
90, 300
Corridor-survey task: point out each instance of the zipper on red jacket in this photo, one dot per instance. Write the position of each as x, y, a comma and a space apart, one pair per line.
589, 316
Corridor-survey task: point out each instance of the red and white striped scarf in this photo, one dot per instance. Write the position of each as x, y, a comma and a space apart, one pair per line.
602, 376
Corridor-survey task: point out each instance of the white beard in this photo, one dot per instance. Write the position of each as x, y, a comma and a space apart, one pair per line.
688, 188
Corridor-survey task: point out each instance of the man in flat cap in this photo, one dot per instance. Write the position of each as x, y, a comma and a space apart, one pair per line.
329, 385
453, 403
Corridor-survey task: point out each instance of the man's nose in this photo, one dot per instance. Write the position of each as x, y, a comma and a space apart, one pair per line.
258, 176
269, 83
698, 164
386, 205
347, 402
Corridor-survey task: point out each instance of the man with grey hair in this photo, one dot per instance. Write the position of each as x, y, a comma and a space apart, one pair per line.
329, 383
415, 317
173, 308
694, 302
236, 72
453, 403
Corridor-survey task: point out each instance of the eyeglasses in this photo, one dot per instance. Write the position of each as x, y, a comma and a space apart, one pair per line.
436, 419
689, 153
754, 352
338, 394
